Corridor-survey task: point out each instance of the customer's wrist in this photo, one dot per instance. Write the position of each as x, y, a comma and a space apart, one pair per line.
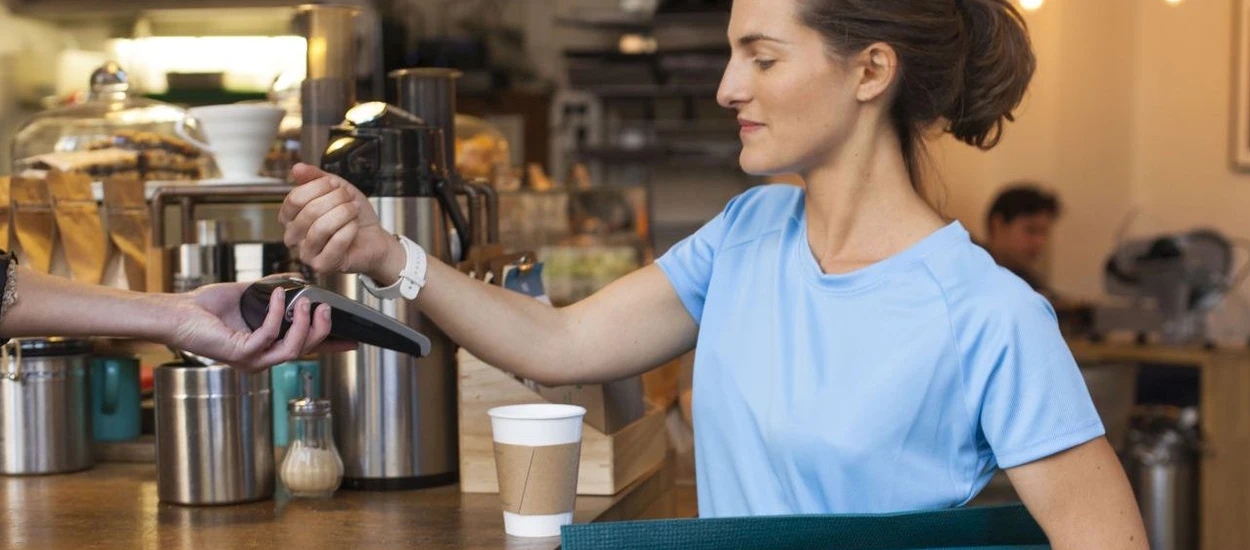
167, 317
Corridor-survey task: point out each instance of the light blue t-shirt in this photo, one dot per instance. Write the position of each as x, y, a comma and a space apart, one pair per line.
900, 386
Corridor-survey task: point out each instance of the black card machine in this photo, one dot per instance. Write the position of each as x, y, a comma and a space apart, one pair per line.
349, 320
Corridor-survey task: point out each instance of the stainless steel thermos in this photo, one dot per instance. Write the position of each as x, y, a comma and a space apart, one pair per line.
45, 408
214, 441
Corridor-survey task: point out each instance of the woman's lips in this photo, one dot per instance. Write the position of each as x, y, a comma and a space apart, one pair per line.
748, 126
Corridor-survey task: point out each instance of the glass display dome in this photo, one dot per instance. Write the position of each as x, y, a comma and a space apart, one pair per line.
113, 131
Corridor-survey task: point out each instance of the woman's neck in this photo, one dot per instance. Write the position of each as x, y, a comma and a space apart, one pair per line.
861, 206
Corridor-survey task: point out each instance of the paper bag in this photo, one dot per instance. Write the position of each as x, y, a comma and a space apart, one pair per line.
33, 222
6, 214
128, 223
79, 225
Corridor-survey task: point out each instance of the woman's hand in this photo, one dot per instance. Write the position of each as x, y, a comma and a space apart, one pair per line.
335, 228
209, 323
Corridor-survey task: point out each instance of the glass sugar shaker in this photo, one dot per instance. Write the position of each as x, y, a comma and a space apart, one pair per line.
312, 467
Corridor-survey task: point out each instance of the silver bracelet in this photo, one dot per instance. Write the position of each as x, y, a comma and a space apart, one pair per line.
10, 289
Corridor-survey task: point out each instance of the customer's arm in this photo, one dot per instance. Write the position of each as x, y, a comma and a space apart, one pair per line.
633, 325
1082, 499
206, 322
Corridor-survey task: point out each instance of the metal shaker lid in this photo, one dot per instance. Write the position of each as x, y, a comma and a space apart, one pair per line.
309, 405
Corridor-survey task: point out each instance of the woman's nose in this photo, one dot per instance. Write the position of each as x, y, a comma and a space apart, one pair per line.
732, 93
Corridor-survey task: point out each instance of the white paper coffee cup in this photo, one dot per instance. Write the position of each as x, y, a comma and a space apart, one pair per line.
537, 451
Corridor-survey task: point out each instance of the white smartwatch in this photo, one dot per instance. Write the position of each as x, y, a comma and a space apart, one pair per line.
411, 278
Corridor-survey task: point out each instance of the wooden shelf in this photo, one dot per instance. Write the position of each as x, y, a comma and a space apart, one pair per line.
649, 91
1086, 351
138, 451
92, 9
613, 20
149, 353
657, 154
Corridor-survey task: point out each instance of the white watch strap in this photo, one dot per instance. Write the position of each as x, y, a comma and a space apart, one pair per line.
411, 278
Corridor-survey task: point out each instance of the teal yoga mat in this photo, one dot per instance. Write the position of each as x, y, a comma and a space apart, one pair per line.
981, 528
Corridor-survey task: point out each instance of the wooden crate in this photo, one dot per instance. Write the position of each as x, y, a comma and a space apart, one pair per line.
609, 463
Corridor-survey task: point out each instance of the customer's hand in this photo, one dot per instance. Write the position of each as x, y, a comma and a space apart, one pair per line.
335, 228
208, 323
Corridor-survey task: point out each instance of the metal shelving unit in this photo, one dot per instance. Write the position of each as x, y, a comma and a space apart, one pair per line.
616, 20
650, 119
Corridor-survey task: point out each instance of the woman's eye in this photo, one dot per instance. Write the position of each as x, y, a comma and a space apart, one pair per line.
764, 64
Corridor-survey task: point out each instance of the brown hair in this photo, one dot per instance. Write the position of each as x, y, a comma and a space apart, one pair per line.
1023, 198
965, 62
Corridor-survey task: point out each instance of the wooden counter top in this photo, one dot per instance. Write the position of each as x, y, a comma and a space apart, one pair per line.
115, 506
1131, 352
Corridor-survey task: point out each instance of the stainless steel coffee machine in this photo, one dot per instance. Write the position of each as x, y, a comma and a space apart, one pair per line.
394, 416
1164, 286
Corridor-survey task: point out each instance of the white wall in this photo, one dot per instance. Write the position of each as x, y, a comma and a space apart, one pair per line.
1130, 109
1182, 174
1073, 134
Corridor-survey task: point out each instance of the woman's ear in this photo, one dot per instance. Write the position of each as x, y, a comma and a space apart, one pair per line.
877, 69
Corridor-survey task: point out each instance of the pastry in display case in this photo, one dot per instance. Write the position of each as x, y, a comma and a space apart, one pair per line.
482, 152
576, 269
586, 238
284, 152
113, 132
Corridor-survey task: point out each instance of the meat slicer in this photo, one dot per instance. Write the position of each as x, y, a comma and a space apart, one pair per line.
1164, 286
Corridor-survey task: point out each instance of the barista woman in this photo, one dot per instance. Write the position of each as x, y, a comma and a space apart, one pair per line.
857, 353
